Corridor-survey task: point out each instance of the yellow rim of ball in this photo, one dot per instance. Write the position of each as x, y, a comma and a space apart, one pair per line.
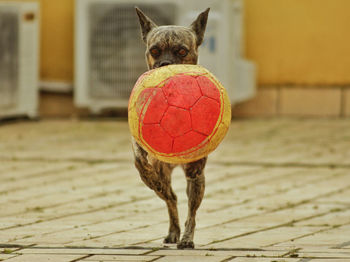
156, 79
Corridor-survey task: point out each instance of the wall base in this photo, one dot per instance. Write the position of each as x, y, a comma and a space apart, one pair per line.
298, 101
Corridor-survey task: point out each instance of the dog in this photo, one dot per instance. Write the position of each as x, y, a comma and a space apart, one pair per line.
166, 45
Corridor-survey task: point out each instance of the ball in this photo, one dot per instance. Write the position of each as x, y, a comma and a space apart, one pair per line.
179, 113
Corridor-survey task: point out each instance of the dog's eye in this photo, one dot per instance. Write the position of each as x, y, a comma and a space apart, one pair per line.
182, 52
155, 52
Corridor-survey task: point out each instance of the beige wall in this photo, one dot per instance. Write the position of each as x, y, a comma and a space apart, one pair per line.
299, 41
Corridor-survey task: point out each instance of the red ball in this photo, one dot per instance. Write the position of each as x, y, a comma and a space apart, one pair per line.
179, 116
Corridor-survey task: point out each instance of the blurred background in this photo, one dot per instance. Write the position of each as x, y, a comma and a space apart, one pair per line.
71, 58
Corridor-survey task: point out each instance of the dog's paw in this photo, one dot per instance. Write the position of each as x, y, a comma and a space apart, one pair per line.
172, 238
185, 243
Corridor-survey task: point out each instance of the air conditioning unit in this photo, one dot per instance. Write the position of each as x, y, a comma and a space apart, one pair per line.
109, 52
19, 59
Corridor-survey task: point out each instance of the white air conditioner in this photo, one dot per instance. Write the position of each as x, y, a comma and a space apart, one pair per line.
19, 59
109, 52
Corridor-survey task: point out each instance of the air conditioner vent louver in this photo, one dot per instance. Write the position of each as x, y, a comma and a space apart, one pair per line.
8, 57
116, 51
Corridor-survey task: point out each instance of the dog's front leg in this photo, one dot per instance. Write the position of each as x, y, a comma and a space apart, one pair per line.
157, 176
195, 191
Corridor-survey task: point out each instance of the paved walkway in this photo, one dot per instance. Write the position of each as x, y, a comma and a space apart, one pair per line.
277, 190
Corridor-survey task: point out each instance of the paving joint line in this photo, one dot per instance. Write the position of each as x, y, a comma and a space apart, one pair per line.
155, 259
291, 252
81, 258
228, 259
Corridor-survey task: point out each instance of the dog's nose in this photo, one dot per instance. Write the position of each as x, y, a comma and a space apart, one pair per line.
164, 63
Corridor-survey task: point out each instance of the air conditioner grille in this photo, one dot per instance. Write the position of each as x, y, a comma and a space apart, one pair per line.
9, 26
116, 55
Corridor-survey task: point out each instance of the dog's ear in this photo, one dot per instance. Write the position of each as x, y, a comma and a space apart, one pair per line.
146, 24
198, 26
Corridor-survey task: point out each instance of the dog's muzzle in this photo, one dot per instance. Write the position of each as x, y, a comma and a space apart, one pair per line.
163, 63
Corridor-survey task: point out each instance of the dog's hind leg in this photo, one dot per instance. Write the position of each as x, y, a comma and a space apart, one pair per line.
157, 176
195, 191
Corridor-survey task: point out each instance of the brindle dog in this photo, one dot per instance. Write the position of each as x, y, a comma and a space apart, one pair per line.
172, 45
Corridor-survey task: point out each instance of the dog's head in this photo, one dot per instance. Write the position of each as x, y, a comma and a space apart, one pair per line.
167, 45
